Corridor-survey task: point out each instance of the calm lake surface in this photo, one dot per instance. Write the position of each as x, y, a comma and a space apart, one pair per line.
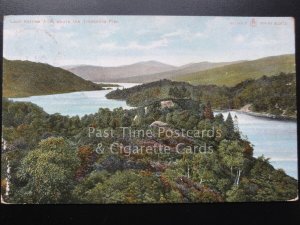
272, 138
77, 103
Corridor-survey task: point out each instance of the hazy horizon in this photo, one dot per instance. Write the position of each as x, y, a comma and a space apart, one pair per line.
70, 65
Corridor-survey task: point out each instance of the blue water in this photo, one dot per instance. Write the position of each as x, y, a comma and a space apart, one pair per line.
274, 139
77, 103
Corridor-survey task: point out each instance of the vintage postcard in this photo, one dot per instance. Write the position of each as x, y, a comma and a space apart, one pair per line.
148, 109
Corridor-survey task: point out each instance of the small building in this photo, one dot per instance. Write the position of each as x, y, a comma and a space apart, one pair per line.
167, 104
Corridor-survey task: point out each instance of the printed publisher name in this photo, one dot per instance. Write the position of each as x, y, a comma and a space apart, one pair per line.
160, 132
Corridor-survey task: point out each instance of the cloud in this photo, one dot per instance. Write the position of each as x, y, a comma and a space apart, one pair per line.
153, 45
261, 41
177, 40
162, 20
211, 28
240, 38
135, 45
216, 26
185, 35
143, 31
107, 32
108, 46
178, 33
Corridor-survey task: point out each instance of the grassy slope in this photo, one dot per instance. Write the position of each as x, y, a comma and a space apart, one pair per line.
231, 75
25, 78
173, 74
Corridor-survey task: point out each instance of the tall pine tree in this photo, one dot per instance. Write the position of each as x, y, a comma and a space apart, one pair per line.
208, 113
230, 127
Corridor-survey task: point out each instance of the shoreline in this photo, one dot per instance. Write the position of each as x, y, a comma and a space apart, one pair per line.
261, 115
269, 116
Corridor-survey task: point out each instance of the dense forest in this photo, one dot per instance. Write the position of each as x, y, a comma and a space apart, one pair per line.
274, 95
181, 153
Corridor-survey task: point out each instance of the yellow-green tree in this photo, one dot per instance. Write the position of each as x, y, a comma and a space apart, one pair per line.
49, 172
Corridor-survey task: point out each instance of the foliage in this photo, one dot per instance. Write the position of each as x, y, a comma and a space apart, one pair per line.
48, 172
121, 187
274, 95
208, 113
53, 159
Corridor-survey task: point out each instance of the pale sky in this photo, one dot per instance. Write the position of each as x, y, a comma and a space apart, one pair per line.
120, 40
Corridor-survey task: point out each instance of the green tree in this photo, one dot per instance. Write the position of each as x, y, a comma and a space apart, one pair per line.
121, 187
235, 194
231, 153
208, 113
49, 172
229, 124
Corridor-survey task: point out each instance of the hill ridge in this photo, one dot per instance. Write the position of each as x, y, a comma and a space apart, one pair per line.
235, 73
27, 78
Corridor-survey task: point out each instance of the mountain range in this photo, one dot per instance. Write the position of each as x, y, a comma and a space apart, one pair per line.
115, 74
220, 73
25, 78
176, 73
235, 73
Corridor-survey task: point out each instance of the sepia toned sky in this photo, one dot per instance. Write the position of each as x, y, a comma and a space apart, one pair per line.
120, 40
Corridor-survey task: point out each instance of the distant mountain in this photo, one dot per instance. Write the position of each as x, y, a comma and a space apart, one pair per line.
25, 78
173, 74
230, 75
115, 74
